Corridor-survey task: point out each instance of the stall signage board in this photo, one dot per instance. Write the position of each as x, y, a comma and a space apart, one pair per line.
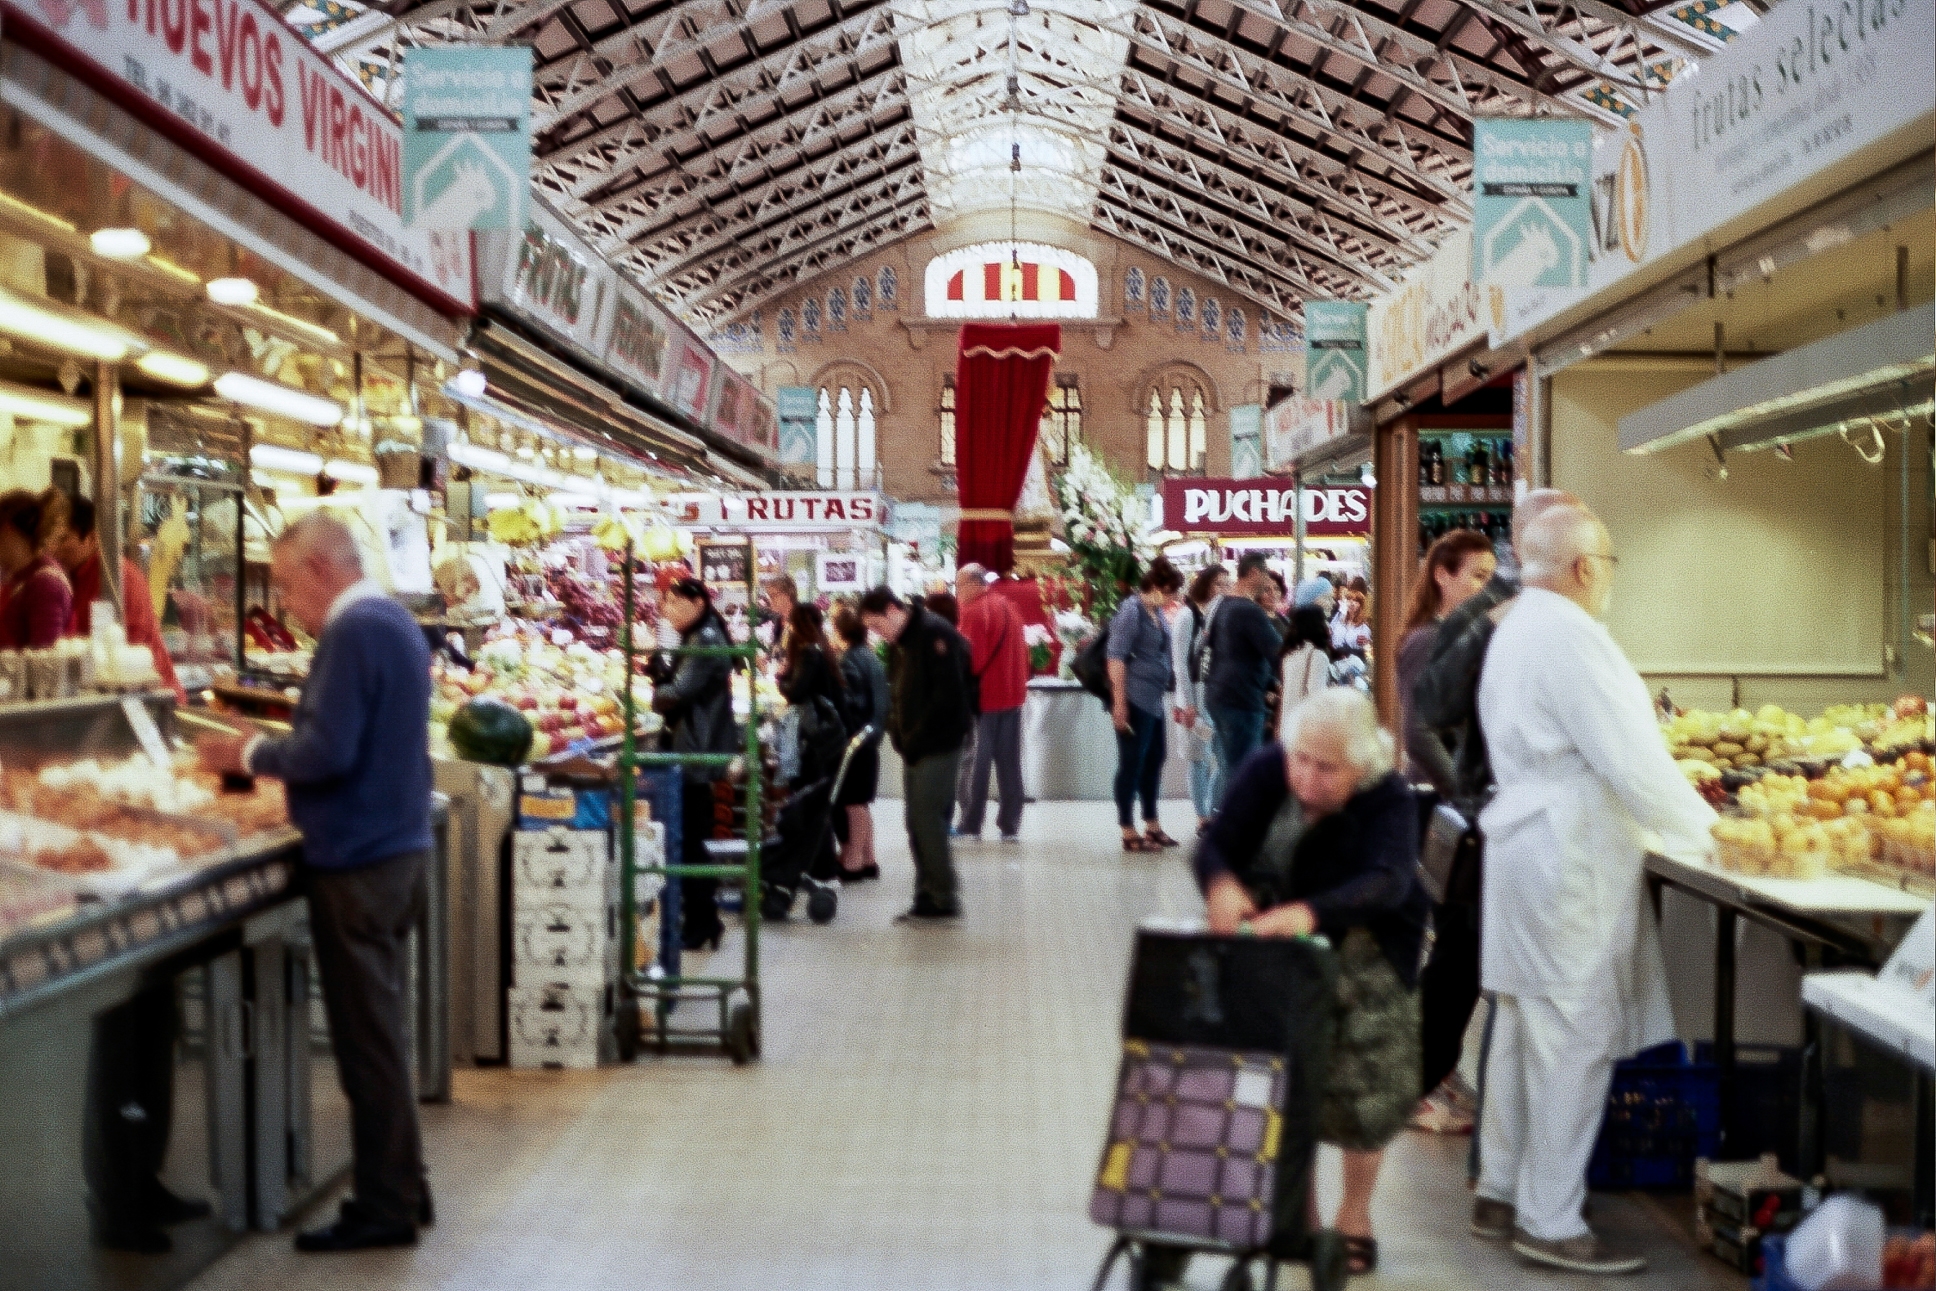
1334, 333
1295, 426
1246, 441
1432, 315
783, 512
1247, 508
742, 415
466, 136
689, 375
1531, 221
1786, 101
549, 276
233, 83
636, 340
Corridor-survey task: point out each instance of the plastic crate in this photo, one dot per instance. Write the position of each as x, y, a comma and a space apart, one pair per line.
1662, 1112
1767, 1111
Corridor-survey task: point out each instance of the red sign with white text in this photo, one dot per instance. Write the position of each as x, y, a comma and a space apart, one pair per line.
232, 82
1264, 508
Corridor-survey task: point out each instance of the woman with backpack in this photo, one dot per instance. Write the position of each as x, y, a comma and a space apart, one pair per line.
1140, 680
808, 675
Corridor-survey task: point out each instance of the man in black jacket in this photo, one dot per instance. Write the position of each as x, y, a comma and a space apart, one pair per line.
927, 719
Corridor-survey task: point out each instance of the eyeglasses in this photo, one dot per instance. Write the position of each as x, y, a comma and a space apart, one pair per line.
1607, 556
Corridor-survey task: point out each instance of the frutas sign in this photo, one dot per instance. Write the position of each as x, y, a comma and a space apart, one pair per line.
233, 83
1245, 507
788, 511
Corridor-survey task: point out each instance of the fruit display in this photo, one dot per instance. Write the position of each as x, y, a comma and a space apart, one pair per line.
1855, 818
1909, 1261
567, 691
1704, 743
533, 521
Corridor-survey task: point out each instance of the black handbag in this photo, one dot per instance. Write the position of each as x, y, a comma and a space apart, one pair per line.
1449, 857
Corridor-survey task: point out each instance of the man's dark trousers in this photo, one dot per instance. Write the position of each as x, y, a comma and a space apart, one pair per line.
360, 921
998, 747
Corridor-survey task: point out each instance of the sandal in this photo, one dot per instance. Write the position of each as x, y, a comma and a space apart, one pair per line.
1360, 1254
1141, 844
1160, 838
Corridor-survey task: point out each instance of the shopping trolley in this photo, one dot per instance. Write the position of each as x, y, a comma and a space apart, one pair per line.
802, 846
1226, 1050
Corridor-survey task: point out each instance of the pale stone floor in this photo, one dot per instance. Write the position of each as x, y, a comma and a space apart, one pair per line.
928, 1114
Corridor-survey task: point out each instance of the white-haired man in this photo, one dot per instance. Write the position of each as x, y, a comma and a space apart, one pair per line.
1571, 949
357, 770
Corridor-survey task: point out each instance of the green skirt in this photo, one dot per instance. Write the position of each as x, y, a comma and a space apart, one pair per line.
1375, 1053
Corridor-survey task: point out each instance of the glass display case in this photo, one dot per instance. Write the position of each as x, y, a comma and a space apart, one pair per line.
186, 534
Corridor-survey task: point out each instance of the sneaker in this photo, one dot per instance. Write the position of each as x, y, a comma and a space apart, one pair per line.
1492, 1220
1584, 1254
923, 911
1011, 838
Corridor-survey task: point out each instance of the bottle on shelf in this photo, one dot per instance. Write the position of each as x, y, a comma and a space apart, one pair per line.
1438, 463
1479, 468
1503, 464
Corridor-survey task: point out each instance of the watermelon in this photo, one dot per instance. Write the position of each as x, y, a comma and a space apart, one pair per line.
491, 731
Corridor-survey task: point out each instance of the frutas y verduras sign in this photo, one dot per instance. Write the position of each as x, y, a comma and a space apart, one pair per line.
1432, 315
1295, 426
783, 511
1814, 82
1236, 508
233, 83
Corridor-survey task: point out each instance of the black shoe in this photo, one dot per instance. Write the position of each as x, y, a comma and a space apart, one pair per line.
708, 940
135, 1237
166, 1209
923, 909
356, 1231
427, 1211
864, 874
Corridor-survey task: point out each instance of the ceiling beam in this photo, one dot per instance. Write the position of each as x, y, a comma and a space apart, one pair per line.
1192, 257
806, 244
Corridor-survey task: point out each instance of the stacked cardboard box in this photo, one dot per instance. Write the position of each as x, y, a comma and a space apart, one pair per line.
564, 955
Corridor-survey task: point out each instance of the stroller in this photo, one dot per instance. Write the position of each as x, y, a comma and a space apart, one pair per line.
1226, 1051
802, 853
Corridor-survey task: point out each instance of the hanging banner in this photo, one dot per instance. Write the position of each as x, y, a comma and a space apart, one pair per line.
1295, 426
1246, 441
466, 137
799, 408
1436, 312
1532, 214
1334, 331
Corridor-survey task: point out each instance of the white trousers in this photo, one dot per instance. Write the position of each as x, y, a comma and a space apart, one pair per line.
1546, 1079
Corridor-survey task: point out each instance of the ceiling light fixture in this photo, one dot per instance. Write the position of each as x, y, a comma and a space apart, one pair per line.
29, 404
274, 457
69, 331
120, 244
470, 383
282, 400
350, 472
174, 369
233, 291
584, 453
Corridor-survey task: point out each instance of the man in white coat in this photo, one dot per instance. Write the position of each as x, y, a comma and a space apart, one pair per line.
1571, 946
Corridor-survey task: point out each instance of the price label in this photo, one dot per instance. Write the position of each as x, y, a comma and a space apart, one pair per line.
147, 733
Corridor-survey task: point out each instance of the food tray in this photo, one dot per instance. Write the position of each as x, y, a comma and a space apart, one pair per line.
1736, 859
133, 864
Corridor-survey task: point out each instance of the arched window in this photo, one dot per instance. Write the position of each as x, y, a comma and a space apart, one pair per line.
945, 416
1212, 317
863, 297
1176, 418
1186, 307
837, 310
844, 433
887, 288
1159, 306
1061, 419
1133, 288
810, 317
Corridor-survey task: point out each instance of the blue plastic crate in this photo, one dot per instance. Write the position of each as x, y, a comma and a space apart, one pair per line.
1662, 1112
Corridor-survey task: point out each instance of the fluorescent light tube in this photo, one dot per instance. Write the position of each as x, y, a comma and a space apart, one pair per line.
350, 472
29, 404
274, 457
120, 244
470, 383
499, 501
175, 369
233, 291
282, 400
71, 332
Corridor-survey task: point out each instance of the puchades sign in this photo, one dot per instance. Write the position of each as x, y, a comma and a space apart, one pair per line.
1257, 508
1532, 215
466, 137
1334, 332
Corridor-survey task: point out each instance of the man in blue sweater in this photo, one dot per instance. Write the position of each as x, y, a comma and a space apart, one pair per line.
357, 770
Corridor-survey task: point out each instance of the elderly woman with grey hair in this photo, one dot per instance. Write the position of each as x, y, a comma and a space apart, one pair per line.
1320, 835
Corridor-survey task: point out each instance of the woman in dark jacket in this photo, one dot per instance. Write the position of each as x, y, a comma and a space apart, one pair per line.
695, 696
863, 674
807, 673
1320, 835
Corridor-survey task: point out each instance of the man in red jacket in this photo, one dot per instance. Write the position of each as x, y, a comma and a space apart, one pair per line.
999, 662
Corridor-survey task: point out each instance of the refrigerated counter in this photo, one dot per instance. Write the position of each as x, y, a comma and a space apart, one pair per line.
170, 1043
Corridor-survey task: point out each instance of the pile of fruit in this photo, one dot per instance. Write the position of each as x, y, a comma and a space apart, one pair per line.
1909, 1261
1852, 818
569, 692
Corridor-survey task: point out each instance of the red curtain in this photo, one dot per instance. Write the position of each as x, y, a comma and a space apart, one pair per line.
1001, 381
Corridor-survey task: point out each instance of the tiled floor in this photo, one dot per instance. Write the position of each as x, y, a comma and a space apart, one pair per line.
928, 1115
